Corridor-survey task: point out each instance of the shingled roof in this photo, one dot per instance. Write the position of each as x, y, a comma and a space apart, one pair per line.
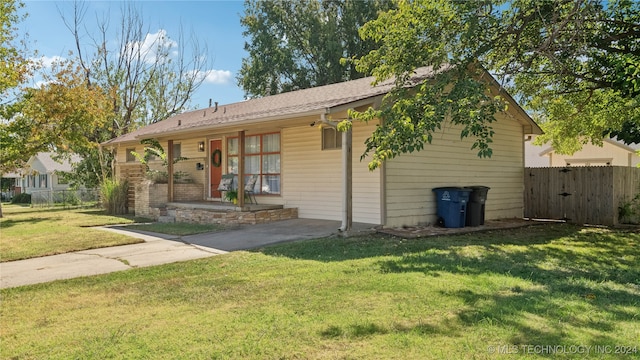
281, 106
312, 101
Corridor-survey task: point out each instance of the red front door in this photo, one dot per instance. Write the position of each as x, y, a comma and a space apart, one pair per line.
216, 167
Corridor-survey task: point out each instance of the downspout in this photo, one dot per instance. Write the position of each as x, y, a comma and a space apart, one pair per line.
347, 179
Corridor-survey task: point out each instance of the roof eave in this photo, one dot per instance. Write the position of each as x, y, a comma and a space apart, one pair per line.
241, 123
530, 126
620, 144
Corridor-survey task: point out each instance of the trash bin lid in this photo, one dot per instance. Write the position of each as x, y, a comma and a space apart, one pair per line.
451, 188
479, 193
479, 187
451, 193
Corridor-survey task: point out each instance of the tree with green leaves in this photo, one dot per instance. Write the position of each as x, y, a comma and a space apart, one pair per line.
68, 116
299, 44
14, 69
14, 64
573, 64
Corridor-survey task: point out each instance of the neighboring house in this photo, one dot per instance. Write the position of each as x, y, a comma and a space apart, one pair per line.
292, 146
43, 173
13, 187
612, 153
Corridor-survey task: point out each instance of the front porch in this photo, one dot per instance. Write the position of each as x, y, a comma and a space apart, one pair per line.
151, 200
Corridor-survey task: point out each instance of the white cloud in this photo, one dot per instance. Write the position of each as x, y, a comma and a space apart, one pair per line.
48, 61
152, 46
216, 76
43, 65
41, 83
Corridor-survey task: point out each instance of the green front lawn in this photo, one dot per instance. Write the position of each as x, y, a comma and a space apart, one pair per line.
32, 232
477, 296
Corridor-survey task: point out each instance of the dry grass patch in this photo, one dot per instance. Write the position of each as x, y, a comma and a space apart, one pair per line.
33, 232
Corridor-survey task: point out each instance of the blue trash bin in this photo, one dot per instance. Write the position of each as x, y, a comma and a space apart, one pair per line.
452, 205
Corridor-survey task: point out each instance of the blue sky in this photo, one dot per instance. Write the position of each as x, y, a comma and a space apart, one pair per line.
216, 23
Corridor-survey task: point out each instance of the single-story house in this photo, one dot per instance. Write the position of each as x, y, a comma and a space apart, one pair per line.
613, 152
300, 161
42, 173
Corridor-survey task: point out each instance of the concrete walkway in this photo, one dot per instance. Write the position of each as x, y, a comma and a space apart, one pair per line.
162, 249
154, 251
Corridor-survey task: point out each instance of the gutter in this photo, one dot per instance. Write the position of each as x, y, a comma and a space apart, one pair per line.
230, 125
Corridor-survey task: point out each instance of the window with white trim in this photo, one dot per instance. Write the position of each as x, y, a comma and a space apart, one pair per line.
331, 138
130, 156
261, 157
177, 151
43, 180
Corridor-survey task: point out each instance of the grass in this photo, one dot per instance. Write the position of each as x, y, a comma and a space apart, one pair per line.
32, 232
180, 229
458, 297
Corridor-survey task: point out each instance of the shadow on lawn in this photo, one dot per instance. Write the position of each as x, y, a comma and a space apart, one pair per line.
569, 274
23, 210
7, 223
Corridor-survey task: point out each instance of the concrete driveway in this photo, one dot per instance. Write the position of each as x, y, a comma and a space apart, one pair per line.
161, 249
255, 236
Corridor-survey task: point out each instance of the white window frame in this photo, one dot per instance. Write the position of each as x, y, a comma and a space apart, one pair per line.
336, 136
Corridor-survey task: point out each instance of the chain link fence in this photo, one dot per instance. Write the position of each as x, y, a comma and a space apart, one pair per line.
66, 198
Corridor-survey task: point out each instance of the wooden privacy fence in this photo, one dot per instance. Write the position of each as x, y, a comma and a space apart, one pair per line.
581, 195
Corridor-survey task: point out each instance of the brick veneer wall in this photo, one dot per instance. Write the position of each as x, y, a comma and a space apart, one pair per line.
207, 216
149, 195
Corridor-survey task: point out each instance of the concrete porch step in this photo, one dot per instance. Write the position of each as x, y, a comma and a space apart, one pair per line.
166, 219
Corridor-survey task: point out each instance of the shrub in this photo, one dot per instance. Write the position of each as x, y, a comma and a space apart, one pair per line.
629, 211
162, 177
23, 198
157, 177
66, 197
113, 195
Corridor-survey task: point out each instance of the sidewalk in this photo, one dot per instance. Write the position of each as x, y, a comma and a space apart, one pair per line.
154, 251
161, 249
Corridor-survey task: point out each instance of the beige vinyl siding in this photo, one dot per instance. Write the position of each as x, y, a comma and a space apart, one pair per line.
593, 155
189, 150
366, 184
448, 161
312, 178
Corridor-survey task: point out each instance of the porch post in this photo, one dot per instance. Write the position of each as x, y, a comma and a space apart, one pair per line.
347, 182
241, 168
170, 170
